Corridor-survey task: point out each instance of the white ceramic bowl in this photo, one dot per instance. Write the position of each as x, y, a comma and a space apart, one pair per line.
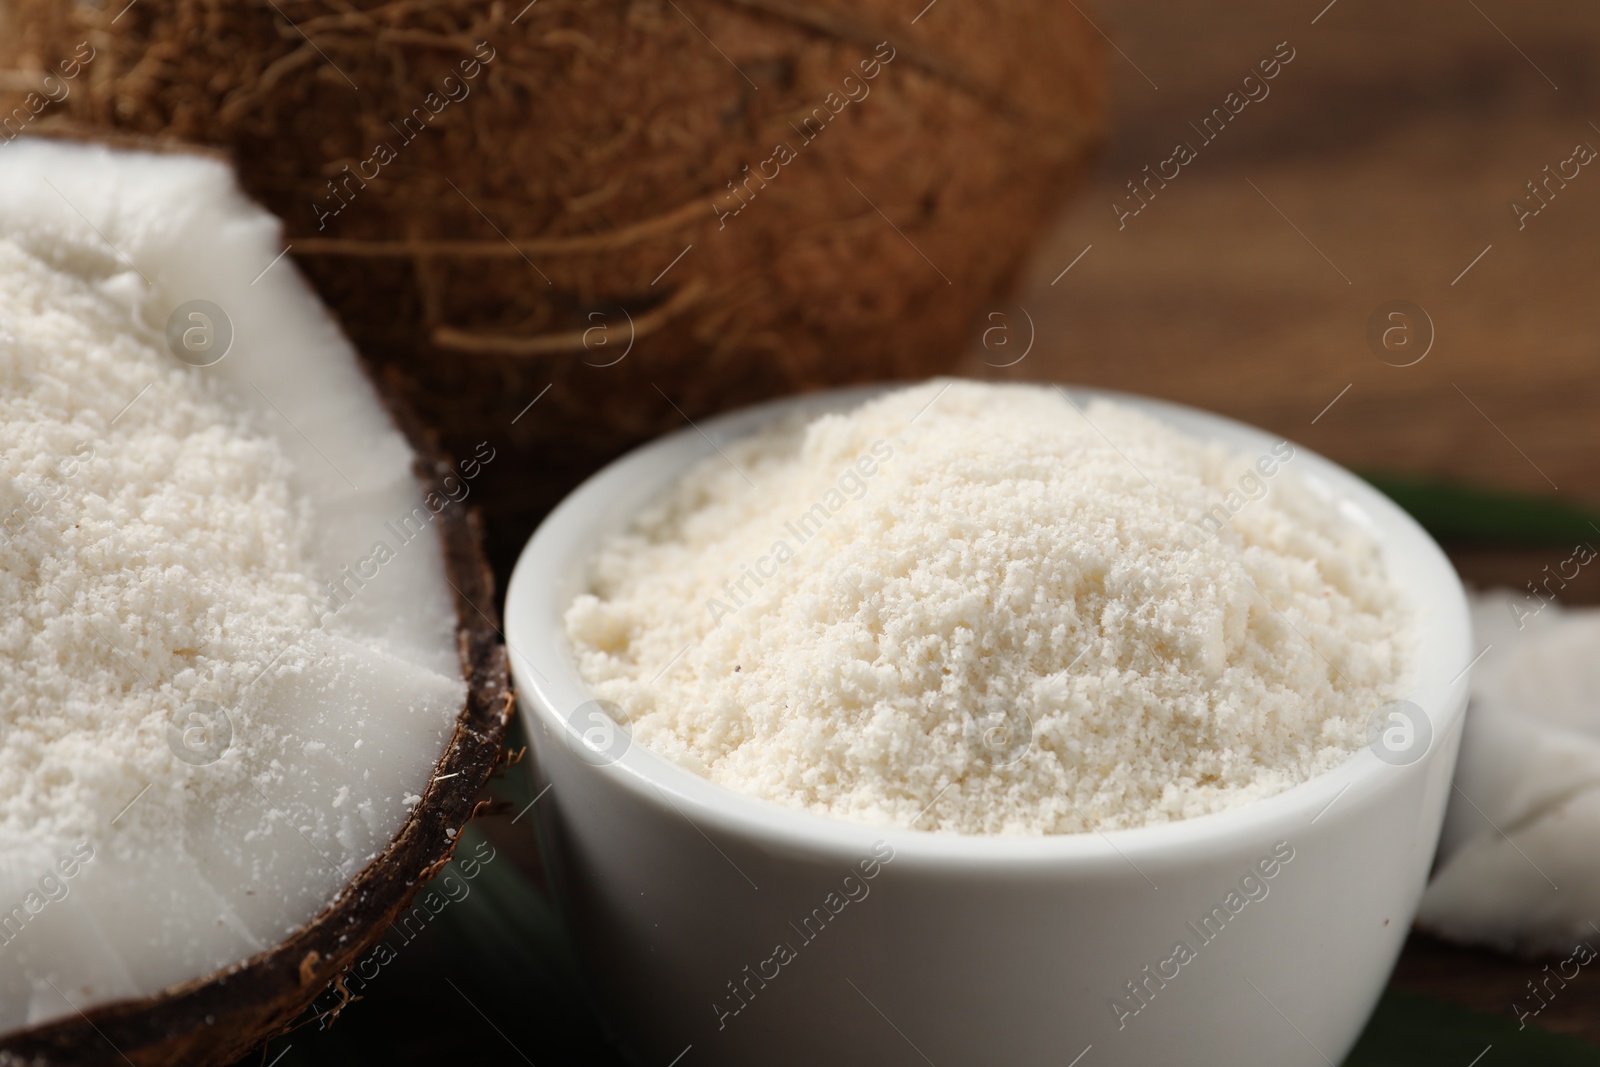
729, 930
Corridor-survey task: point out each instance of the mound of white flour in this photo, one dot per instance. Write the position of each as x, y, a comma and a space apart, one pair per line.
150, 548
977, 608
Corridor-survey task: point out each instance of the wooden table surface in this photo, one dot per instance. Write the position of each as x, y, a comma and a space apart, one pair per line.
1382, 163
1381, 166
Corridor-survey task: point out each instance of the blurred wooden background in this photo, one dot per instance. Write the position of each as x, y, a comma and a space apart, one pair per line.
1393, 143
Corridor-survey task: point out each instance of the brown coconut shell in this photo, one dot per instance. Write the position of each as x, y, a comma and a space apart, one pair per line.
215, 1019
566, 209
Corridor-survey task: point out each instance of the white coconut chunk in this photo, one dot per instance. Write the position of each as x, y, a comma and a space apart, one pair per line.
1517, 867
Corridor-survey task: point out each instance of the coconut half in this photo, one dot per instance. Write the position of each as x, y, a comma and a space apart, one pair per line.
248, 688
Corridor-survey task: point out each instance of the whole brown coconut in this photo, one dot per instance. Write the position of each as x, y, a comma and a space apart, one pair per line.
656, 208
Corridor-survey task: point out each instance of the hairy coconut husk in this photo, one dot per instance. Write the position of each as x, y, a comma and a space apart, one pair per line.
523, 238
217, 1018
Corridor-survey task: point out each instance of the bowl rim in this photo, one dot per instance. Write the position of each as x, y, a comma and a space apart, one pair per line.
550, 568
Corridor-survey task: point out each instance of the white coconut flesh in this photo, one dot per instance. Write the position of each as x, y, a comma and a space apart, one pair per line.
168, 536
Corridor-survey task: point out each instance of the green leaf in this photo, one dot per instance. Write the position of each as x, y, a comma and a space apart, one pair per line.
1414, 1031
1462, 513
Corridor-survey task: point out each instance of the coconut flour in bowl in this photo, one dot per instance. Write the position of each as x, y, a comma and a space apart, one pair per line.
985, 609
